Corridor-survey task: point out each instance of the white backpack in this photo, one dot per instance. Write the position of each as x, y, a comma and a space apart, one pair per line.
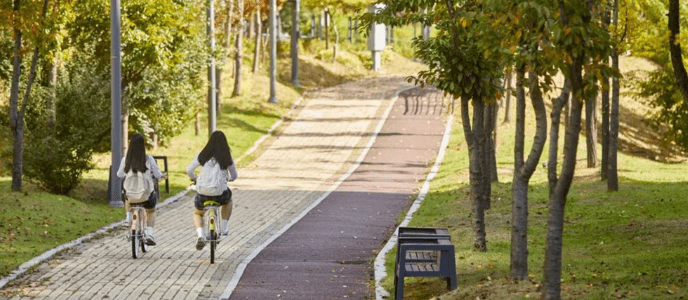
137, 186
210, 180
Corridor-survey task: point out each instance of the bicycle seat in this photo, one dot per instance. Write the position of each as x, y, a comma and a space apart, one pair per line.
210, 202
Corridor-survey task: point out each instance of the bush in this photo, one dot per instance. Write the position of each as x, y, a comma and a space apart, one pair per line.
56, 165
58, 153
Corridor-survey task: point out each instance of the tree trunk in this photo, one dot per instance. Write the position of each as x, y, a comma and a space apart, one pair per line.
612, 170
125, 121
523, 173
494, 147
507, 106
475, 141
591, 130
674, 48
551, 285
226, 43
259, 33
197, 128
327, 28
605, 126
519, 189
16, 113
490, 150
336, 39
557, 200
605, 111
557, 106
239, 50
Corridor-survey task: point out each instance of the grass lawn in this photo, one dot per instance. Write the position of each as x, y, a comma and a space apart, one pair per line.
34, 221
627, 244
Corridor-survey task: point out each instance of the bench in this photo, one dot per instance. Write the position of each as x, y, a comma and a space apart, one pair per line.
424, 252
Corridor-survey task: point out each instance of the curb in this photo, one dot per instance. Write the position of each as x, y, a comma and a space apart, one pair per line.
242, 266
380, 270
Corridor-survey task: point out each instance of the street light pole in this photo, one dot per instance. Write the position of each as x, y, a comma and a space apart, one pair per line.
295, 35
273, 51
211, 70
116, 104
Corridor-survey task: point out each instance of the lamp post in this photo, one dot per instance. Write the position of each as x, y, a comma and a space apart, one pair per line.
211, 70
295, 34
273, 51
115, 187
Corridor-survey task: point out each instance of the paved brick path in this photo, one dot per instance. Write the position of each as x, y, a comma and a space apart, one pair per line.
310, 155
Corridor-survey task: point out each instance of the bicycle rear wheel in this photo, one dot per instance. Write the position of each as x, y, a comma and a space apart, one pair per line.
142, 242
134, 245
213, 243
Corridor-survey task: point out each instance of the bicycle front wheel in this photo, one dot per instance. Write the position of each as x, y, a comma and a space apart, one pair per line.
213, 243
134, 245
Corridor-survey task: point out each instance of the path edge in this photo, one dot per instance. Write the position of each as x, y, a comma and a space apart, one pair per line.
242, 265
379, 264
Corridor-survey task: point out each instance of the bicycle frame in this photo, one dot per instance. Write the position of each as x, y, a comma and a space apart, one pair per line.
211, 211
137, 233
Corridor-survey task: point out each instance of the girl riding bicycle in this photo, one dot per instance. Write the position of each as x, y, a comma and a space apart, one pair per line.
137, 163
217, 169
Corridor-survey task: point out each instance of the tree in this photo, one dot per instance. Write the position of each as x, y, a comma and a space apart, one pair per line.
238, 49
226, 43
259, 33
675, 50
154, 38
21, 20
580, 39
463, 65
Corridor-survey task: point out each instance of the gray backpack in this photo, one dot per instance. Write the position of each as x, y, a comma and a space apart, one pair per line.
137, 186
210, 180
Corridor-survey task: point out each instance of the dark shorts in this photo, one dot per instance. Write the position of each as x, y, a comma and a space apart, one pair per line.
223, 199
148, 204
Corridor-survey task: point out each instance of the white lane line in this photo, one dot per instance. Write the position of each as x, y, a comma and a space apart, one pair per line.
242, 266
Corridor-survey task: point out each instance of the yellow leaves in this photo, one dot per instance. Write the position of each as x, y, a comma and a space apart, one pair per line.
465, 22
567, 31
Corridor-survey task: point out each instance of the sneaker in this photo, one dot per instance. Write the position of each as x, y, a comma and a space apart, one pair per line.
150, 240
200, 244
224, 229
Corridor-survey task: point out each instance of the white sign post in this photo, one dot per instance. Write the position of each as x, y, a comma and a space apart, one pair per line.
376, 38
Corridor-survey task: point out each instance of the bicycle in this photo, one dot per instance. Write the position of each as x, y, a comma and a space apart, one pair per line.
137, 235
211, 214
137, 225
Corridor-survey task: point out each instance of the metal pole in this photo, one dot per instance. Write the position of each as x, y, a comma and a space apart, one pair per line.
116, 104
211, 70
295, 35
350, 33
273, 51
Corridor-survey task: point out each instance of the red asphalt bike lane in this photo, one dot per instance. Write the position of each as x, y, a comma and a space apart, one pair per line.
329, 253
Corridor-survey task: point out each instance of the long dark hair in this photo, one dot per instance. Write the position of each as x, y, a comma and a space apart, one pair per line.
136, 155
217, 148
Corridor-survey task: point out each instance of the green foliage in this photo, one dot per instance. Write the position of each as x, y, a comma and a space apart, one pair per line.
648, 37
56, 155
165, 100
460, 60
164, 48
